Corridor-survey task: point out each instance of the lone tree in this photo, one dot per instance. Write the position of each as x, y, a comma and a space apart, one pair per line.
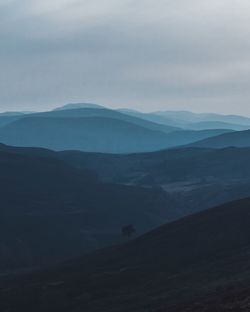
128, 230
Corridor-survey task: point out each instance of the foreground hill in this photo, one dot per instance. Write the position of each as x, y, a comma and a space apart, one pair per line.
199, 263
51, 211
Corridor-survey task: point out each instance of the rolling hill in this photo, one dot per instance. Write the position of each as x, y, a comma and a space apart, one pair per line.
197, 178
198, 165
216, 125
199, 263
91, 110
51, 211
8, 119
190, 117
166, 121
191, 121
192, 178
88, 134
94, 128
236, 139
155, 117
89, 130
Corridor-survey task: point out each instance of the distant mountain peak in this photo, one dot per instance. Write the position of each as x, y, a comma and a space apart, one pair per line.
127, 110
79, 105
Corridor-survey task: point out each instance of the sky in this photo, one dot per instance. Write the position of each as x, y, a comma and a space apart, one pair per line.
144, 54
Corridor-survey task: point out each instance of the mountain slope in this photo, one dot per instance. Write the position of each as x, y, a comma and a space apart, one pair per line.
168, 166
77, 110
192, 178
156, 118
8, 119
51, 211
190, 117
88, 134
173, 268
236, 139
216, 125
197, 178
184, 137
93, 133
192, 121
102, 112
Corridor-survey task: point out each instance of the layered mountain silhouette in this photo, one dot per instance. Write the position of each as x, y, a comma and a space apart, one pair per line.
190, 117
88, 134
95, 129
199, 263
194, 121
60, 204
89, 172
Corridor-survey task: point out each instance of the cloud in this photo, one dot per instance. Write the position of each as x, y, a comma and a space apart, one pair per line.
144, 54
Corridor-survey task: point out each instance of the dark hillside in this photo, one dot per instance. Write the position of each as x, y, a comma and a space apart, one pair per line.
176, 266
198, 178
50, 211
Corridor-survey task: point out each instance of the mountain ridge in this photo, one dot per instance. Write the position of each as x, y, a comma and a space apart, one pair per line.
236, 139
96, 130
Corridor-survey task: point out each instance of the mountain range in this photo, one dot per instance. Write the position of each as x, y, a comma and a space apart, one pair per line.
194, 121
75, 181
94, 128
55, 213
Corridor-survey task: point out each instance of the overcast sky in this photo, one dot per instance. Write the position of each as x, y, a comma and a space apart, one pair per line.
142, 54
